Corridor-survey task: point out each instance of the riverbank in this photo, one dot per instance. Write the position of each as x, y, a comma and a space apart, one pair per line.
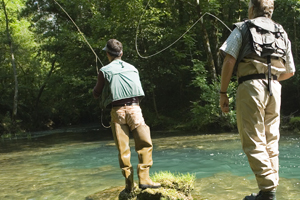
93, 127
290, 126
65, 129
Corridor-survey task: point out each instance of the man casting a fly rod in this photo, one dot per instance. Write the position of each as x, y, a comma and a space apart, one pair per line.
259, 51
120, 88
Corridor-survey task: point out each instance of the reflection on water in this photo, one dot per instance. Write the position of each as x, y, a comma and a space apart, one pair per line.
74, 165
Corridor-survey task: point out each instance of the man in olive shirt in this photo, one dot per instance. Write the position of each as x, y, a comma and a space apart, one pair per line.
120, 87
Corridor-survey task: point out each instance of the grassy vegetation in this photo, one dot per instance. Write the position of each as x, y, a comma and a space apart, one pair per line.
174, 187
180, 182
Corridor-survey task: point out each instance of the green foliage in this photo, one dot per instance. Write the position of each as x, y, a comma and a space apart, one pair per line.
56, 68
295, 123
290, 94
206, 111
9, 129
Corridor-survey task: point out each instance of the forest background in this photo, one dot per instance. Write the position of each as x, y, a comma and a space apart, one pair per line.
47, 70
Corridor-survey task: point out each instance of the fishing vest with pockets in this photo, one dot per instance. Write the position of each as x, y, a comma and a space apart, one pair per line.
263, 37
121, 81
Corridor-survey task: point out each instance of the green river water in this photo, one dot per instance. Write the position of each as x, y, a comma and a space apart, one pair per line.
73, 164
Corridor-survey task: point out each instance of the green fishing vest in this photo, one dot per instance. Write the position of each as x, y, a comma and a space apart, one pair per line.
122, 81
262, 37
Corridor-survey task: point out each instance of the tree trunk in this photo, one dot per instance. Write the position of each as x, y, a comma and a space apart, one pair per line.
240, 7
181, 13
210, 59
44, 85
15, 101
216, 43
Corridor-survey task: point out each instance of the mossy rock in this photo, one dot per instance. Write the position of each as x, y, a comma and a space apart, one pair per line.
174, 187
162, 194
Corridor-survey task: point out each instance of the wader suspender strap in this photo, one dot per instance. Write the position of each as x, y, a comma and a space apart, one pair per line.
269, 75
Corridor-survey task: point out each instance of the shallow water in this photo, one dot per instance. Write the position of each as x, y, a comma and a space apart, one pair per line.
73, 165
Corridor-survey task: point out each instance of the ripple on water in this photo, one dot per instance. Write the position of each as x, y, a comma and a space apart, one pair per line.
225, 186
74, 170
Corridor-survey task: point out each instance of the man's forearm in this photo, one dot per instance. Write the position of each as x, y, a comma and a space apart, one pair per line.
99, 85
227, 70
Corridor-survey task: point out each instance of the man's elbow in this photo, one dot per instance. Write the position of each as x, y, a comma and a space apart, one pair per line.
96, 94
229, 61
289, 75
286, 76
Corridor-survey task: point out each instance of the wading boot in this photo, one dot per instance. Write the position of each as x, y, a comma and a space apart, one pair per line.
121, 137
270, 195
144, 179
129, 184
143, 146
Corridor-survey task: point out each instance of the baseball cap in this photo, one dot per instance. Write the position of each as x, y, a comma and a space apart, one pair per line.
113, 47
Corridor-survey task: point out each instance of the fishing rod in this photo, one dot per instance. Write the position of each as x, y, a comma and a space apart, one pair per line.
97, 58
136, 39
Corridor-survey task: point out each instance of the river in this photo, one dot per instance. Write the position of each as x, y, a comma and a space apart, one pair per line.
76, 163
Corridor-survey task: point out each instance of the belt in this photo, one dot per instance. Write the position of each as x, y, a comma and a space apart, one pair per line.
254, 76
125, 104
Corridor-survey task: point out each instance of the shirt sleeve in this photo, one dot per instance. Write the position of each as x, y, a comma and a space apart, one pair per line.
99, 85
289, 63
233, 43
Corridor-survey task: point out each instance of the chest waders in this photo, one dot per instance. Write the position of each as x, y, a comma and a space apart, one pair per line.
143, 147
261, 76
257, 106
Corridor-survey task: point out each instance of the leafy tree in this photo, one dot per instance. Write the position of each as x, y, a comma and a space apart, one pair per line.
56, 68
16, 44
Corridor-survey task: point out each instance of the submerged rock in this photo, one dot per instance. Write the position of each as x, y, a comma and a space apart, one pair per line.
174, 187
111, 194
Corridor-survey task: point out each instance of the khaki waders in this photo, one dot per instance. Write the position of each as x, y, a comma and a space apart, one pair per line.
143, 146
258, 119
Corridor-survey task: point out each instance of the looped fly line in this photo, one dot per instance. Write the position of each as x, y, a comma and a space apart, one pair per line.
136, 37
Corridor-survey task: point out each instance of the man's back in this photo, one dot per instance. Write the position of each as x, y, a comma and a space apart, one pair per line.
122, 80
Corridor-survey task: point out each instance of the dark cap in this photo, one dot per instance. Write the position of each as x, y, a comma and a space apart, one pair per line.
113, 47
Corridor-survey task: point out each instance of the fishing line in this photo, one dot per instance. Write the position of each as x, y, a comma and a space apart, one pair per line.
136, 36
97, 58
102, 111
136, 47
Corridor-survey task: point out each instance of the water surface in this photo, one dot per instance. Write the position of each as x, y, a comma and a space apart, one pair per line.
74, 164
